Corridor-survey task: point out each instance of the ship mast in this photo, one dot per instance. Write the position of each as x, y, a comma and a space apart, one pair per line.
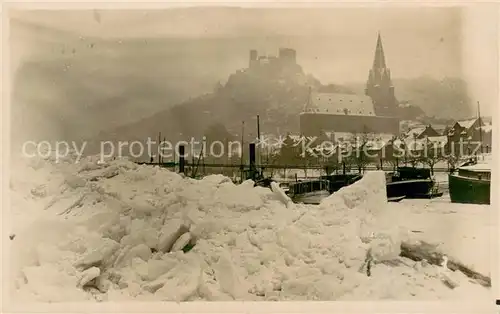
242, 149
259, 143
480, 128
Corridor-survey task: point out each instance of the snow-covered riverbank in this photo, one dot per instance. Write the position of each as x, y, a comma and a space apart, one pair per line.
117, 231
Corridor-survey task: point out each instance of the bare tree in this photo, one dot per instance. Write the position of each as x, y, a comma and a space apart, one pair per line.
413, 152
394, 152
290, 152
359, 156
431, 154
272, 158
331, 161
452, 161
308, 158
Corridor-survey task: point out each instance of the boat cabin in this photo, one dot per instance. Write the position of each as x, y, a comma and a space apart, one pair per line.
471, 184
475, 172
338, 181
410, 182
411, 173
309, 186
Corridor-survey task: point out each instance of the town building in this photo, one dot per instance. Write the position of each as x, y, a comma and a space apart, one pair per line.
346, 113
421, 132
441, 129
469, 132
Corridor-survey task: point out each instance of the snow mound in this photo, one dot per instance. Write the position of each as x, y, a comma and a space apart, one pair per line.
119, 231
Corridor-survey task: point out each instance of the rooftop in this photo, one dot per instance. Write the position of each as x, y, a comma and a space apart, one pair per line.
467, 123
416, 131
335, 103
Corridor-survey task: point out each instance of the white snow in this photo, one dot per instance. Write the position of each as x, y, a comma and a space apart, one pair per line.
118, 230
484, 163
467, 124
415, 132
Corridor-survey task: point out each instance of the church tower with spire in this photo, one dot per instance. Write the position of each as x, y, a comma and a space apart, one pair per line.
379, 85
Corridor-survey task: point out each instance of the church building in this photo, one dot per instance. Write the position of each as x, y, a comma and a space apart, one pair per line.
374, 112
379, 85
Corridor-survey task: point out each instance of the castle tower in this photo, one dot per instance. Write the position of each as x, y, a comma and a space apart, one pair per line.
379, 85
253, 58
288, 55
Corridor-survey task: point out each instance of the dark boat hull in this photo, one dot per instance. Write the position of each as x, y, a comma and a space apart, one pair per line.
265, 183
419, 188
396, 198
338, 181
468, 190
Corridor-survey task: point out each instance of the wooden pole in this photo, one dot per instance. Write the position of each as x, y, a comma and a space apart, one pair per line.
242, 149
181, 159
258, 128
480, 128
164, 139
252, 154
159, 148
192, 166
227, 154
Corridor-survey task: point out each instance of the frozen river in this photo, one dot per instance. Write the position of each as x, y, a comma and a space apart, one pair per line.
118, 231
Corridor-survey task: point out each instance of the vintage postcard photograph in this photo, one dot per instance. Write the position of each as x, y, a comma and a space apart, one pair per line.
257, 153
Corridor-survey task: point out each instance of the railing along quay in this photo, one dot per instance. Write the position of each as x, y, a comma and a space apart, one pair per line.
271, 166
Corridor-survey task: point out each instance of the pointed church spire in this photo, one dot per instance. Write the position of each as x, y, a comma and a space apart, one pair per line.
379, 60
310, 105
379, 85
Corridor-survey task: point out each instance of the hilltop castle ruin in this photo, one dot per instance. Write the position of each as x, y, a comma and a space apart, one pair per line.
285, 57
283, 65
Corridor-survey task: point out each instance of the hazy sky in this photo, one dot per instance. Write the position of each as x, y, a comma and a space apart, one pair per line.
334, 44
